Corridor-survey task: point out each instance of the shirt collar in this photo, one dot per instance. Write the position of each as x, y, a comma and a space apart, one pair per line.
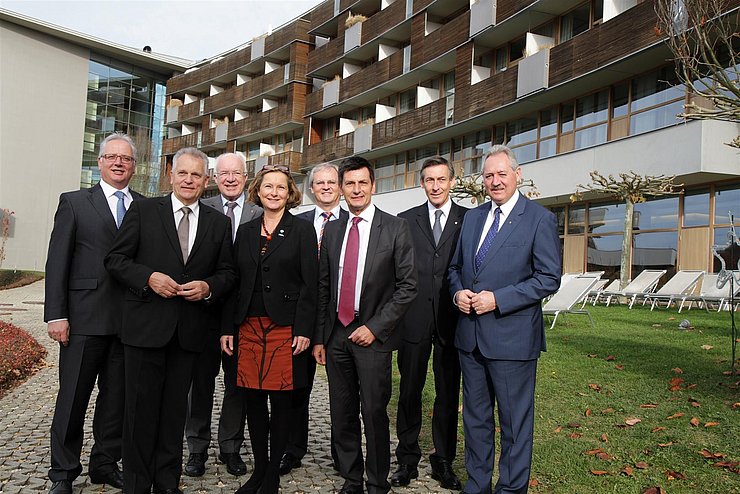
109, 190
239, 201
506, 207
445, 208
177, 205
368, 214
334, 212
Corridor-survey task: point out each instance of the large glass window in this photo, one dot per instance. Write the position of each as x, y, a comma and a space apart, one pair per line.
575, 22
726, 199
696, 208
655, 250
656, 214
605, 254
606, 218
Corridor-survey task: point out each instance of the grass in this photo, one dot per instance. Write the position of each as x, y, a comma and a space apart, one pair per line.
635, 364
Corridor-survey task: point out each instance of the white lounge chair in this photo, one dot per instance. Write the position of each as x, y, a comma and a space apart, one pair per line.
710, 294
612, 287
568, 297
682, 284
644, 283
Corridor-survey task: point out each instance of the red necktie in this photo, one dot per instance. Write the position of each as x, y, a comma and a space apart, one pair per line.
349, 274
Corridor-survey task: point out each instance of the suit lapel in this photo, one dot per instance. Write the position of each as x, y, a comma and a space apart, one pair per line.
455, 218
479, 222
253, 237
100, 204
506, 229
335, 252
168, 223
376, 229
279, 235
204, 225
422, 219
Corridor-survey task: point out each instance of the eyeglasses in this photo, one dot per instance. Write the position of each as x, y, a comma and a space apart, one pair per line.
125, 159
235, 174
276, 168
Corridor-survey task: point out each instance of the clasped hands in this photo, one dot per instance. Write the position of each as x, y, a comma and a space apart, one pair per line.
166, 287
478, 303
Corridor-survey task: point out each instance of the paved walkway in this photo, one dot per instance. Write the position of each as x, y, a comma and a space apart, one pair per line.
25, 418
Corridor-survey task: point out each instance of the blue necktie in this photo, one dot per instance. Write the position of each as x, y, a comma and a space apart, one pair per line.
120, 208
488, 240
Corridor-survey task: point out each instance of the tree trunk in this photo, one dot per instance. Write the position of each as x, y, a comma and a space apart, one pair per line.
626, 244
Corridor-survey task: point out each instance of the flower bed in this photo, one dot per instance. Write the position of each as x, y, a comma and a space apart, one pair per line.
20, 356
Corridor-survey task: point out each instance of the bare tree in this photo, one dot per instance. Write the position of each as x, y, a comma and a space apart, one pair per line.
632, 189
472, 187
704, 38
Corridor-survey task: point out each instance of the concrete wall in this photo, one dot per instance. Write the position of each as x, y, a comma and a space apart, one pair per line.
43, 83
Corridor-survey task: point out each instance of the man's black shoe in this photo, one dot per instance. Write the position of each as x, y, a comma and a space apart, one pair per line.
288, 463
350, 488
443, 473
61, 487
113, 478
234, 463
174, 490
196, 465
403, 475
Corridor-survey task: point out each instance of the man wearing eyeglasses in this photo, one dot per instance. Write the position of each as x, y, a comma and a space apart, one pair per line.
231, 177
83, 312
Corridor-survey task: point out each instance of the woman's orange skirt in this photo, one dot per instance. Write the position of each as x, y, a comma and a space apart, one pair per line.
265, 355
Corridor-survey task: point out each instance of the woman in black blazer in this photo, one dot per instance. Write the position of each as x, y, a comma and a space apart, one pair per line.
269, 320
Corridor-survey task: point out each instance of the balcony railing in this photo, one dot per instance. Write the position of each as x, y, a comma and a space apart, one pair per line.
410, 124
263, 121
291, 159
383, 20
490, 93
507, 8
620, 36
248, 90
322, 13
210, 71
329, 149
448, 37
172, 145
297, 31
326, 54
188, 112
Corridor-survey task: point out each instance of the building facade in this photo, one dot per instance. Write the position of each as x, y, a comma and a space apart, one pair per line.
61, 93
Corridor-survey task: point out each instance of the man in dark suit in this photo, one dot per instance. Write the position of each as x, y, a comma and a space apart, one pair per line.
83, 312
506, 261
231, 176
323, 182
175, 258
430, 322
366, 283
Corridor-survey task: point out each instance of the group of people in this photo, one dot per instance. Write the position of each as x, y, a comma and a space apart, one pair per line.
151, 297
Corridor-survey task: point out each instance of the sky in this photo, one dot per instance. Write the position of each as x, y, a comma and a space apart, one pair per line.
183, 28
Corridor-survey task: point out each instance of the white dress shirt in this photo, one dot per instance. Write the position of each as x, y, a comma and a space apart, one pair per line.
194, 210
506, 209
109, 191
445, 213
318, 220
364, 229
237, 212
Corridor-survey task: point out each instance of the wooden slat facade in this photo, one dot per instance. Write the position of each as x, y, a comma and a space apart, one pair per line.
171, 145
383, 20
410, 124
329, 149
507, 8
326, 54
448, 37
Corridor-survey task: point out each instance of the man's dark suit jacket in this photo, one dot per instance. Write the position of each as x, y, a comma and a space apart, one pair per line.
521, 268
250, 210
78, 288
388, 281
147, 242
311, 213
289, 300
433, 307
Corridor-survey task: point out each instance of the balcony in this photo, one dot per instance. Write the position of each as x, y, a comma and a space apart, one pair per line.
623, 35
410, 124
329, 149
424, 49
383, 20
253, 89
284, 117
172, 145
489, 94
210, 71
507, 8
187, 113
291, 159
326, 54
297, 31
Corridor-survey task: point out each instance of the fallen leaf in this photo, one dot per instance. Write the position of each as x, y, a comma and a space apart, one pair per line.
675, 381
706, 347
599, 472
648, 405
708, 454
675, 416
694, 421
641, 465
632, 421
695, 404
653, 490
604, 438
591, 452
735, 405
674, 388
534, 482
627, 470
671, 318
603, 456
610, 358
610, 410
619, 367
677, 370
574, 435
657, 429
690, 386
592, 355
665, 445
557, 429
587, 413
574, 425
674, 475
711, 424
595, 387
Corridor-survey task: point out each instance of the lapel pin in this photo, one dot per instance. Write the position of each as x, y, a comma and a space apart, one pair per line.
281, 233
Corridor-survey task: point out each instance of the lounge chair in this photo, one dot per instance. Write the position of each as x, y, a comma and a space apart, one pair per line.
710, 294
568, 297
644, 283
612, 287
682, 284
594, 293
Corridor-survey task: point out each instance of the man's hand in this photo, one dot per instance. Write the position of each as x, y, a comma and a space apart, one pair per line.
483, 302
362, 336
59, 331
163, 285
300, 344
194, 291
319, 353
463, 300
227, 345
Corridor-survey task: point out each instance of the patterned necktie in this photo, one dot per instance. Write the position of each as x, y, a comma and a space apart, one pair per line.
183, 233
488, 240
327, 216
120, 208
349, 274
437, 228
230, 213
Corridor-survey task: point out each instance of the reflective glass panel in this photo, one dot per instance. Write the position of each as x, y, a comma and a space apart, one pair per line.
605, 254
606, 218
655, 88
576, 219
696, 208
658, 213
655, 250
591, 136
726, 200
592, 108
656, 118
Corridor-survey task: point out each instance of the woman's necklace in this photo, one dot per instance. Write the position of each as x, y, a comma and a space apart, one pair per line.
268, 236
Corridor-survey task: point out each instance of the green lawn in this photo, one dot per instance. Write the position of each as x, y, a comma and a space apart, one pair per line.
591, 381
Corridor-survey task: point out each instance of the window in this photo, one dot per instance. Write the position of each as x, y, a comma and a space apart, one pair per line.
575, 22
656, 214
696, 208
606, 218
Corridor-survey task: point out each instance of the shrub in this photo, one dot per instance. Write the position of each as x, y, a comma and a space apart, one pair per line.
20, 356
